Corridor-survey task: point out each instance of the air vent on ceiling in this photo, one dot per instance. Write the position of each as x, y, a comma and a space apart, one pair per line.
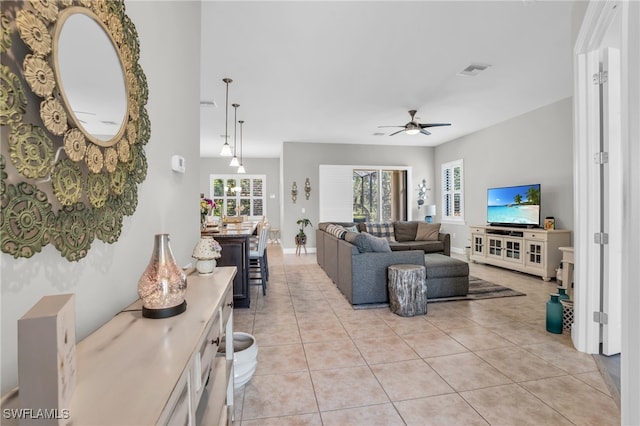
473, 69
378, 134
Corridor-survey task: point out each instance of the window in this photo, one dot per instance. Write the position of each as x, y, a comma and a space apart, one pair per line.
453, 192
236, 195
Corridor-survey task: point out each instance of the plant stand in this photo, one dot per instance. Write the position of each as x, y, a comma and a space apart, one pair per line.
300, 246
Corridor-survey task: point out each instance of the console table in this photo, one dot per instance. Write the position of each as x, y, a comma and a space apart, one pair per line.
141, 371
567, 269
235, 239
533, 251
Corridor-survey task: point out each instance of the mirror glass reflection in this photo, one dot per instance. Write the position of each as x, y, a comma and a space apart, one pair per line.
91, 78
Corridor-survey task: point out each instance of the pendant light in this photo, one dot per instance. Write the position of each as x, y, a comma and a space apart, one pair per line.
226, 149
241, 167
234, 161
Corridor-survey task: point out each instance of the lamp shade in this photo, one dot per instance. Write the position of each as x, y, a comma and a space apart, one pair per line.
206, 251
226, 150
431, 210
206, 248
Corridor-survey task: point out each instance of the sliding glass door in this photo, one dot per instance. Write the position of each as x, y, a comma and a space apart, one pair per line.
379, 195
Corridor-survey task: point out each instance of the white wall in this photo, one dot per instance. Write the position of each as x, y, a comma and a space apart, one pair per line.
105, 281
536, 147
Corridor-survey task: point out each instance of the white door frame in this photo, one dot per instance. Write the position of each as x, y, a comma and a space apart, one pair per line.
585, 332
590, 38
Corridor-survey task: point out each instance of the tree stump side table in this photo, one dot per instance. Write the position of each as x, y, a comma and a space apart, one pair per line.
407, 290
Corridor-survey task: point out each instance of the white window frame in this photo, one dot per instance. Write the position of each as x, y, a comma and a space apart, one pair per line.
237, 196
449, 192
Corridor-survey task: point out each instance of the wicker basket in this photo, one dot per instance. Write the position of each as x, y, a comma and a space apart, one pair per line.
567, 314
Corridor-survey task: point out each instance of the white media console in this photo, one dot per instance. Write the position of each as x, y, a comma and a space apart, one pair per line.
534, 251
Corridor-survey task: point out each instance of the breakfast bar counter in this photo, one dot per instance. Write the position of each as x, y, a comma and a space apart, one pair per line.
235, 240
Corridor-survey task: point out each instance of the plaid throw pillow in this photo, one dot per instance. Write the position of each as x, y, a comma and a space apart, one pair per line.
384, 230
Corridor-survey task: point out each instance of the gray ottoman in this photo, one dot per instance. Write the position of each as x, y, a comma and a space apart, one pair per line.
446, 277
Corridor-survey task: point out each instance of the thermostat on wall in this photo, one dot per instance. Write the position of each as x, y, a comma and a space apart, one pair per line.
177, 163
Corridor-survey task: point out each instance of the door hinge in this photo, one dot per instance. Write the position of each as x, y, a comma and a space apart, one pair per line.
601, 158
600, 77
601, 238
600, 318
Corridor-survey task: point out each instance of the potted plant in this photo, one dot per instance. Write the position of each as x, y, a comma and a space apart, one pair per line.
301, 237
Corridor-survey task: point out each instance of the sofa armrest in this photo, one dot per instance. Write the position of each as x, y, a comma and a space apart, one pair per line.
446, 239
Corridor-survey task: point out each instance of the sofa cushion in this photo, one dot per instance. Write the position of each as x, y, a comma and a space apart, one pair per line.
383, 229
357, 239
367, 243
426, 246
336, 230
377, 244
427, 231
405, 231
441, 266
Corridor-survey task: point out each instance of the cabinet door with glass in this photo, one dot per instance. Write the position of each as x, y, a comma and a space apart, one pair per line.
238, 195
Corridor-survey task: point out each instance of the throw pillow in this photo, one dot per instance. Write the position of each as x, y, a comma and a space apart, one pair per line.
405, 231
336, 230
384, 230
377, 244
351, 228
427, 231
359, 240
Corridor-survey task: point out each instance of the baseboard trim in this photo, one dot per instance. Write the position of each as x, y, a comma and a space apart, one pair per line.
293, 250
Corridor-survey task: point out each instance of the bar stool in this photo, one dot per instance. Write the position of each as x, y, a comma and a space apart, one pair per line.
258, 263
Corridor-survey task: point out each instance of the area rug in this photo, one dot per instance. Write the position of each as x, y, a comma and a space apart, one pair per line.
481, 289
478, 289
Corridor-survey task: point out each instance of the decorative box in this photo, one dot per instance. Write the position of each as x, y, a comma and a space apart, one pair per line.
47, 357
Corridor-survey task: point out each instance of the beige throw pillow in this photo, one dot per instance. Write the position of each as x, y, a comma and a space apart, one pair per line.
427, 231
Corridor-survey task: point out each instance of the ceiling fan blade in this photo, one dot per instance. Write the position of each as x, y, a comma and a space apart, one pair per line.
434, 125
395, 133
425, 132
389, 126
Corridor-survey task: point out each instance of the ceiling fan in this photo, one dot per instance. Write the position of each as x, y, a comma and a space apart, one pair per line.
413, 127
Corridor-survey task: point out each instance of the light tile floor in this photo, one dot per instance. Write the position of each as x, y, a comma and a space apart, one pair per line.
464, 363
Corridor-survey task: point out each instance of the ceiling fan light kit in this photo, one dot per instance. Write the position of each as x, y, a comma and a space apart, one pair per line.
413, 127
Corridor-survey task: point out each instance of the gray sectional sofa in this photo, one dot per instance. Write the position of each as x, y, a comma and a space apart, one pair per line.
361, 274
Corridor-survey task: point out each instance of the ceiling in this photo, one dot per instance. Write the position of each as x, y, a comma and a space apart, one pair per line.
333, 71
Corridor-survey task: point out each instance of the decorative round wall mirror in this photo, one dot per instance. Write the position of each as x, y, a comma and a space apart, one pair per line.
74, 154
90, 76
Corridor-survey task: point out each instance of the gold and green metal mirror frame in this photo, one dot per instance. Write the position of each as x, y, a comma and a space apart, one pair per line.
59, 184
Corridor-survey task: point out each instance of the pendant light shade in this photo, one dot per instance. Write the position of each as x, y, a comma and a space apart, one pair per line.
234, 161
241, 167
226, 149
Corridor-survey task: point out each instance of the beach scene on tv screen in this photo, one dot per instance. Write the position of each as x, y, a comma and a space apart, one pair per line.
515, 204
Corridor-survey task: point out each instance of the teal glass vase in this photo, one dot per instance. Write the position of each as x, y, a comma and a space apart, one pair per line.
554, 315
562, 294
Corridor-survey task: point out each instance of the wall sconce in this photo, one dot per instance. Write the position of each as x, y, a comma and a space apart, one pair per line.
307, 188
294, 192
422, 192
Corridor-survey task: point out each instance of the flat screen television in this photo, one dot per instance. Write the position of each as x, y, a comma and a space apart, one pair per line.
517, 206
